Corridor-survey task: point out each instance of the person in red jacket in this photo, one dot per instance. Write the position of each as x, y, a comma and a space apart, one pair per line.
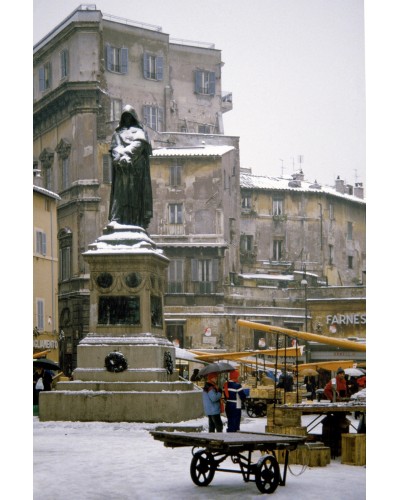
341, 387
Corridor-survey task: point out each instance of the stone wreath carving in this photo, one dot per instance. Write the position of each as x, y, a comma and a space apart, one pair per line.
115, 362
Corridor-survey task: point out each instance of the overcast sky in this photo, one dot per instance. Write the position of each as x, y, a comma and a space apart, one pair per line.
296, 69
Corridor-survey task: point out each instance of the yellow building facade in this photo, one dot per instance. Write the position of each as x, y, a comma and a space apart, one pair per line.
45, 273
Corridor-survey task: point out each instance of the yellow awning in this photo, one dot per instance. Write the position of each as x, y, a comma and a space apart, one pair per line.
289, 351
312, 337
327, 365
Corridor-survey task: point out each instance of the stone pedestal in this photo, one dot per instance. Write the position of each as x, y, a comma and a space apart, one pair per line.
127, 283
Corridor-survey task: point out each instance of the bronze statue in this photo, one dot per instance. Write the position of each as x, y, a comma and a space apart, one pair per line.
131, 200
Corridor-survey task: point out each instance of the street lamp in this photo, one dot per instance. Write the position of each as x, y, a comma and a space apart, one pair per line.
304, 283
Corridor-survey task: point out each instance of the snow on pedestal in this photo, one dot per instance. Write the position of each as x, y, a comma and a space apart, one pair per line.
127, 282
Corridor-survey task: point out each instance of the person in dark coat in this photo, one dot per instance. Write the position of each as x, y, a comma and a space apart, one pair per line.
234, 396
131, 200
285, 381
212, 403
195, 375
311, 384
42, 380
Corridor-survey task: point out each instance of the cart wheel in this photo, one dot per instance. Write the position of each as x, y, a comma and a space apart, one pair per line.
251, 411
267, 474
261, 410
202, 468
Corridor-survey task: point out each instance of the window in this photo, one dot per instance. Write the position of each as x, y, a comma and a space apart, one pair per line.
277, 207
117, 59
41, 242
349, 230
115, 110
277, 250
205, 275
350, 261
65, 263
176, 213
48, 179
246, 201
204, 82
331, 211
175, 276
64, 173
64, 63
175, 334
154, 117
40, 314
45, 77
204, 129
63, 150
175, 175
246, 243
153, 67
107, 169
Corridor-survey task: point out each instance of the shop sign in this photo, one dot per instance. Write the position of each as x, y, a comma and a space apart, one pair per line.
209, 340
45, 344
346, 319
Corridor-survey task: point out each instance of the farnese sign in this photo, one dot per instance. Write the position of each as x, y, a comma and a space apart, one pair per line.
346, 319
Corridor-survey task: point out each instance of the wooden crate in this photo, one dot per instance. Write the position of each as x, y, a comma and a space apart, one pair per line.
283, 416
291, 430
312, 455
354, 449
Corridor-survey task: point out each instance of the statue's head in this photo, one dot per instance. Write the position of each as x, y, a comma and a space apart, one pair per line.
129, 110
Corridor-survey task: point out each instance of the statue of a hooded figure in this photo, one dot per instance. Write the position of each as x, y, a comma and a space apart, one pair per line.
131, 200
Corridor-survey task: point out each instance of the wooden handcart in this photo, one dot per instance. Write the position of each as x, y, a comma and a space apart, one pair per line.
215, 448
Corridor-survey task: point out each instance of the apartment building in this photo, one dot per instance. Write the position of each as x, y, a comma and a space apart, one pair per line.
46, 335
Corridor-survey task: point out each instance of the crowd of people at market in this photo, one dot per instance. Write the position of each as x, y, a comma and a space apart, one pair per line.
230, 398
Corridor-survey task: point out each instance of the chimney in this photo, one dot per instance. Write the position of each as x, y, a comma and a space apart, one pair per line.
359, 190
298, 176
339, 185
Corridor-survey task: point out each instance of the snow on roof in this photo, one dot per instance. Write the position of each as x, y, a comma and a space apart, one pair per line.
206, 150
266, 182
259, 276
46, 192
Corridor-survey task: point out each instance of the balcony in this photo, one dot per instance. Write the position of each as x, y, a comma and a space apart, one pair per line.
226, 101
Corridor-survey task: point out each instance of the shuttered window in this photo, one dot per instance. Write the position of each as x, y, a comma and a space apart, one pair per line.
153, 67
64, 63
41, 244
205, 82
45, 77
154, 117
117, 59
175, 276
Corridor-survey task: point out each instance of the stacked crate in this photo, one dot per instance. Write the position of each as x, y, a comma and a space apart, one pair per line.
287, 421
354, 449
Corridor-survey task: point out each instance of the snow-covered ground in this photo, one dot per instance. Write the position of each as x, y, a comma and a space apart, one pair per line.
106, 461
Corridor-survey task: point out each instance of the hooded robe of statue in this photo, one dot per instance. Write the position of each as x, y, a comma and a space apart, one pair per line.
131, 200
